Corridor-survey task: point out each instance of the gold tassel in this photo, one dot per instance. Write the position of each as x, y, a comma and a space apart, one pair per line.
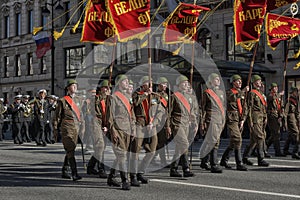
297, 66
297, 54
176, 52
248, 46
36, 30
144, 44
57, 35
75, 27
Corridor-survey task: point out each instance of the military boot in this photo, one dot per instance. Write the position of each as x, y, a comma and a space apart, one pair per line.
101, 168
142, 178
91, 166
133, 180
73, 166
174, 173
66, 169
204, 163
187, 173
111, 180
238, 160
213, 162
125, 183
225, 158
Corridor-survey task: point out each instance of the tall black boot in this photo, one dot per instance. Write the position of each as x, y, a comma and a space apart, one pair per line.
278, 152
238, 160
214, 161
91, 166
73, 166
225, 158
65, 171
133, 180
101, 168
125, 183
246, 161
111, 180
204, 163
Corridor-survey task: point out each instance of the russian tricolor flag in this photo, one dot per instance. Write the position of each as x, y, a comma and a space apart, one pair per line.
43, 43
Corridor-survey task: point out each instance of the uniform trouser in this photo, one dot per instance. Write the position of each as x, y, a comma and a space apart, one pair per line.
41, 132
274, 129
161, 145
293, 131
49, 133
17, 127
257, 139
25, 127
181, 134
235, 142
98, 141
1, 131
149, 141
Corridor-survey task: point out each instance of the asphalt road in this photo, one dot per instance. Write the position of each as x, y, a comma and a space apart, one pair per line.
31, 172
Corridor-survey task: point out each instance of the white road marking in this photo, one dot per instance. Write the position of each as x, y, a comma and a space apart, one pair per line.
227, 188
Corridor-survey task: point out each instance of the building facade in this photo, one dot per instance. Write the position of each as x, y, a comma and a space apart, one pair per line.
22, 72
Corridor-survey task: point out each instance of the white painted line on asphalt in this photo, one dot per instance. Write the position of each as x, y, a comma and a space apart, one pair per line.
227, 188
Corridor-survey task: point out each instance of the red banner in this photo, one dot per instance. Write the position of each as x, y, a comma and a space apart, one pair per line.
248, 19
97, 27
274, 4
131, 18
280, 28
181, 25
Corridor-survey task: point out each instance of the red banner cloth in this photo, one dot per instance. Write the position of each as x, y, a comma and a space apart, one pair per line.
248, 19
274, 4
280, 28
131, 18
97, 26
181, 25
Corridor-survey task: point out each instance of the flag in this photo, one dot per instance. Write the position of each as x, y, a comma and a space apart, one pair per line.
274, 4
43, 43
247, 20
280, 28
97, 26
181, 24
130, 18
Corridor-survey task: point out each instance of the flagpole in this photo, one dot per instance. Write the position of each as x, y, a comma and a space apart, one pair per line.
112, 64
285, 65
252, 64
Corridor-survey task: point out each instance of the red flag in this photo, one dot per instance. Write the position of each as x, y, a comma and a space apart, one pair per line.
274, 4
130, 18
97, 25
43, 43
181, 25
248, 19
280, 28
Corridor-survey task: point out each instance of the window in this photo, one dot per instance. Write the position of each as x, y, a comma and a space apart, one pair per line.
204, 38
67, 8
30, 21
74, 60
6, 64
43, 65
295, 82
294, 47
18, 65
130, 52
238, 53
29, 64
6, 27
18, 24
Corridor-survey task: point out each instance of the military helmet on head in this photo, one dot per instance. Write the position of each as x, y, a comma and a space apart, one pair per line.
70, 82
161, 80
104, 83
273, 85
234, 78
180, 79
212, 76
255, 78
144, 79
120, 78
293, 89
131, 82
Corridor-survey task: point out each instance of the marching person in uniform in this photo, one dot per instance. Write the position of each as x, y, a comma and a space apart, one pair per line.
121, 124
28, 115
16, 109
236, 116
213, 122
69, 117
3, 110
275, 115
147, 114
257, 117
182, 117
293, 121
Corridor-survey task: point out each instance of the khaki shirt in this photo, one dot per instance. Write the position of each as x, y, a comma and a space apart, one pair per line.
257, 111
232, 106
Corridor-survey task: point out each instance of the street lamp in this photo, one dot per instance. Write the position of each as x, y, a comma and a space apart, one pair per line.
46, 12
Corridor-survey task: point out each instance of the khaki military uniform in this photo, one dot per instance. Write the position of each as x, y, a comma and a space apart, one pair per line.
257, 117
71, 126
214, 121
182, 118
274, 114
293, 119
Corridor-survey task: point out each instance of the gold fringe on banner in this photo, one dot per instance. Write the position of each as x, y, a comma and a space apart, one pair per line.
36, 30
57, 35
176, 52
297, 54
297, 66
